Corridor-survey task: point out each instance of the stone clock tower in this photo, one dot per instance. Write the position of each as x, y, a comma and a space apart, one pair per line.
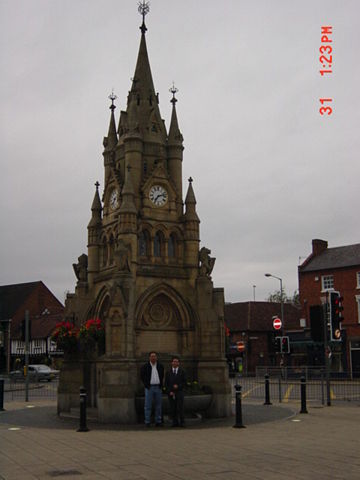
144, 274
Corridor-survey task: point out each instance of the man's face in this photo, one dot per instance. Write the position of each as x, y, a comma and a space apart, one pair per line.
153, 358
175, 363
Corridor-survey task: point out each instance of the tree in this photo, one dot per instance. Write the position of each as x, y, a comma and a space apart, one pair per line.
276, 297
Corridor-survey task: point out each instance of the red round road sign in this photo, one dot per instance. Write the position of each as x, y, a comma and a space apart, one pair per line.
240, 346
277, 324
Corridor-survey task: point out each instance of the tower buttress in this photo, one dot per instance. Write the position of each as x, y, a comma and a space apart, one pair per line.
192, 235
111, 140
128, 215
175, 151
94, 228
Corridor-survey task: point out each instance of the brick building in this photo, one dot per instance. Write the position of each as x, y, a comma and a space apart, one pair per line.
252, 324
45, 311
336, 269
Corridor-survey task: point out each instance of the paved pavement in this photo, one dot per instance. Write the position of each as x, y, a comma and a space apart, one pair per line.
277, 443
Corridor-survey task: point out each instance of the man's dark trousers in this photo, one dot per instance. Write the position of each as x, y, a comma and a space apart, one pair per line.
176, 401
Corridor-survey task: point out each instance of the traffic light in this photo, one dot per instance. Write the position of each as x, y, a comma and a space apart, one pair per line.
285, 345
277, 344
336, 318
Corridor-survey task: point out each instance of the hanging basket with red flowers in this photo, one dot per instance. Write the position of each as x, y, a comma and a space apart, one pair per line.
66, 336
92, 333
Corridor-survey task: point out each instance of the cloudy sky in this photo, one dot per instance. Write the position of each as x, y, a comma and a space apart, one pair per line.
270, 173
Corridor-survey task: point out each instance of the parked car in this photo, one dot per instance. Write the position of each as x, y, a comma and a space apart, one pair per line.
37, 373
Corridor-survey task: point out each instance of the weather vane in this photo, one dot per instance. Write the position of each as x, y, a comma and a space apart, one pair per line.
112, 97
173, 90
143, 9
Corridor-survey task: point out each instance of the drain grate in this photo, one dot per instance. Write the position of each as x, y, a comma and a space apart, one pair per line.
64, 472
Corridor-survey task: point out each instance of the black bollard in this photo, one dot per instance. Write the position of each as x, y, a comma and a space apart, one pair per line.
303, 395
2, 395
83, 395
238, 408
267, 390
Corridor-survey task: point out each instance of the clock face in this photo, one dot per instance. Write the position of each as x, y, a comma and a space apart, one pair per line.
158, 195
114, 199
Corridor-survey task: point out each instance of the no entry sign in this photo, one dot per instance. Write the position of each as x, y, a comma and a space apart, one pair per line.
277, 323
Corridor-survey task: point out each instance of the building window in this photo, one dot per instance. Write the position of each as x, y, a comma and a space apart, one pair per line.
157, 245
357, 279
327, 282
104, 252
144, 241
171, 246
357, 298
111, 250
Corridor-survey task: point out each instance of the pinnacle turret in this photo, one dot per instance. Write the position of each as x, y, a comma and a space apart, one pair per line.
96, 208
190, 204
175, 137
111, 140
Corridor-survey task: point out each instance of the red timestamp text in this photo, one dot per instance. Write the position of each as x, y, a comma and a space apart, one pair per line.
326, 58
326, 61
325, 108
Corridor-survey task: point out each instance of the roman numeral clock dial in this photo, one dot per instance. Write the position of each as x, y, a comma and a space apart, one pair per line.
114, 199
158, 195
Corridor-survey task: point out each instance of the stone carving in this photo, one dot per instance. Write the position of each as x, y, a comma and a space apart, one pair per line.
159, 314
122, 257
80, 268
206, 262
118, 297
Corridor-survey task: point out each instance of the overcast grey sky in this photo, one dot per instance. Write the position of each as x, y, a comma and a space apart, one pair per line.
270, 173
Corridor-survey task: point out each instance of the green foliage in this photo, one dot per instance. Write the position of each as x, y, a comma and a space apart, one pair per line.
276, 297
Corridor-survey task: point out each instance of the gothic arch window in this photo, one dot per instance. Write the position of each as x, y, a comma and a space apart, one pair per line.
159, 244
104, 252
172, 246
144, 242
111, 250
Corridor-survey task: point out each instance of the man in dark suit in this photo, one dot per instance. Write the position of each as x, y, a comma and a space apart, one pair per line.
175, 382
152, 375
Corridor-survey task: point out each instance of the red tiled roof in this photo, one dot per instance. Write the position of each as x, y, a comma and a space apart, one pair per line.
257, 316
337, 257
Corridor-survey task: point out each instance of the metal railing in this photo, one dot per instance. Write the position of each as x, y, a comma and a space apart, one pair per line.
288, 389
16, 390
309, 372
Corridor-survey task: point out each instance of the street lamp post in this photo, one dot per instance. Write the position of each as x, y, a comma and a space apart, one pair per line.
281, 301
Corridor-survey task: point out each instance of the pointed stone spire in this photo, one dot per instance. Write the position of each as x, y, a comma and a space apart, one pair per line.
142, 82
111, 140
96, 208
143, 114
175, 137
190, 204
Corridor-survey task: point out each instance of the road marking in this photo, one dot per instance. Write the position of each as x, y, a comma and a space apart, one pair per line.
287, 393
14, 428
251, 390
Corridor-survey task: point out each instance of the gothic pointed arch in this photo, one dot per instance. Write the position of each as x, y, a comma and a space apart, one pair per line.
162, 307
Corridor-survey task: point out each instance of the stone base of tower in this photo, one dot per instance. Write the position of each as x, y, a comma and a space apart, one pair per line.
117, 410
117, 381
215, 374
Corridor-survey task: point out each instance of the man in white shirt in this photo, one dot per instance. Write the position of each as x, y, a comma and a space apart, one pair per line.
152, 375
